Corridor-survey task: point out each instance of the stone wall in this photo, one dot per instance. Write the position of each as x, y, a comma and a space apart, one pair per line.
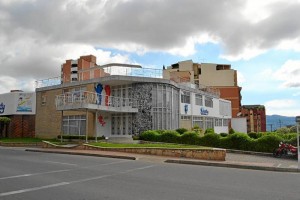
201, 154
142, 120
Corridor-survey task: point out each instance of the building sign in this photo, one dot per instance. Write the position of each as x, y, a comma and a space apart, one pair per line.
25, 102
2, 108
203, 111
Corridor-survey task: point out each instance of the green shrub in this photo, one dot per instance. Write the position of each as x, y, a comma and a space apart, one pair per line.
224, 134
231, 131
260, 134
181, 130
150, 135
209, 130
210, 139
288, 136
292, 141
135, 137
159, 131
283, 130
267, 143
170, 136
189, 137
5, 120
239, 141
197, 129
252, 135
293, 129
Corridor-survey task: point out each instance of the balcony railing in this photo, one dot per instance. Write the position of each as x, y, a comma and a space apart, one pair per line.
85, 97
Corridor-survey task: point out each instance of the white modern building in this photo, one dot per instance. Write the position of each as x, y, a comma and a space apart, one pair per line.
125, 102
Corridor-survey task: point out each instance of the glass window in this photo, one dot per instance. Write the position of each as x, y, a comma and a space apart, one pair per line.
185, 97
74, 125
198, 99
209, 102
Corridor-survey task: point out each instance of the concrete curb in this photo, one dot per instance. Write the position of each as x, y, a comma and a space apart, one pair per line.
249, 152
229, 165
83, 154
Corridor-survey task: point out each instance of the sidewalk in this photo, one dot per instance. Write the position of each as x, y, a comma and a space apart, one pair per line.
233, 160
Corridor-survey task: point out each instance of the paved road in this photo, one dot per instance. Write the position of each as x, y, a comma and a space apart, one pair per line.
31, 175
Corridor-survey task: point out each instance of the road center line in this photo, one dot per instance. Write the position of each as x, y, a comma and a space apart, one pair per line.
58, 171
17, 176
62, 163
72, 182
32, 189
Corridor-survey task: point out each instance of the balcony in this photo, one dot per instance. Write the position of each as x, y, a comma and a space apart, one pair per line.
93, 101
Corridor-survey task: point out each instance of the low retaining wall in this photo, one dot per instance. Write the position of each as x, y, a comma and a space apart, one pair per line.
202, 154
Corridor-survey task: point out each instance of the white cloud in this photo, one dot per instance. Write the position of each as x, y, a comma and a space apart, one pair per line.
285, 107
241, 78
246, 54
289, 73
257, 10
289, 44
189, 47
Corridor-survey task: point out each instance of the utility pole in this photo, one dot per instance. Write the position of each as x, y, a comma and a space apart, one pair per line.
271, 125
279, 122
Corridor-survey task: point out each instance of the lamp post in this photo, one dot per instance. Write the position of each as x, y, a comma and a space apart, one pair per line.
298, 147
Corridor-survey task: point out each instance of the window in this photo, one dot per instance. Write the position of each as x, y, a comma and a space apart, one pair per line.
185, 97
225, 108
185, 117
218, 122
44, 99
197, 120
74, 125
209, 102
209, 123
199, 100
225, 122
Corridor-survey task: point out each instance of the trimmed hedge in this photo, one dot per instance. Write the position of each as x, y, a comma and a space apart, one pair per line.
181, 130
266, 142
189, 137
170, 137
150, 135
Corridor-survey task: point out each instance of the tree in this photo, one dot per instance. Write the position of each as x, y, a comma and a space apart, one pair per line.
4, 121
283, 130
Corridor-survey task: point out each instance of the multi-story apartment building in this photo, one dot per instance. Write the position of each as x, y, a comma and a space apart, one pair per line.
256, 117
122, 100
217, 77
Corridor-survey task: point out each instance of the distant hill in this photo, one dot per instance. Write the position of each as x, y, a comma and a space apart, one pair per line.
277, 121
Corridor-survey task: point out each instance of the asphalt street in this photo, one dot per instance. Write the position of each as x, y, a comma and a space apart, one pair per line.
32, 175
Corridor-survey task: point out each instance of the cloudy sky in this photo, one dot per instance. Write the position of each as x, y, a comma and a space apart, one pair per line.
260, 39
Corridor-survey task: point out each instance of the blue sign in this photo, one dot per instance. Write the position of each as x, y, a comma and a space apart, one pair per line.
2, 108
203, 111
186, 108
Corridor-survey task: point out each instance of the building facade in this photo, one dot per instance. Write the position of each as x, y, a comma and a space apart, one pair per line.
125, 104
20, 108
214, 77
256, 117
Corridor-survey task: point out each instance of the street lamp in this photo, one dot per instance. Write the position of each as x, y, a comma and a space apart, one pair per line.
298, 146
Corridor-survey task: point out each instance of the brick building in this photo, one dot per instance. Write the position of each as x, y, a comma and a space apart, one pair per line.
20, 108
256, 117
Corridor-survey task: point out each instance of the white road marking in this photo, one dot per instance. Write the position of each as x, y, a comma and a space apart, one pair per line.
72, 182
17, 176
58, 171
32, 189
62, 163
278, 165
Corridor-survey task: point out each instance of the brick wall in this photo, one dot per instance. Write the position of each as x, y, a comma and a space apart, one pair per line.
21, 126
